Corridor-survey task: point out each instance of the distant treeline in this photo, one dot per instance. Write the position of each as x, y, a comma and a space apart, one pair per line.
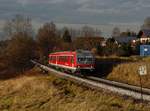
23, 44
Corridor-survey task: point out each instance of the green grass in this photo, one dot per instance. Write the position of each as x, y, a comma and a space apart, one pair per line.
36, 92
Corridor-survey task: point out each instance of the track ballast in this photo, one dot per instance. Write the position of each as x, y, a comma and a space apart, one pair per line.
98, 83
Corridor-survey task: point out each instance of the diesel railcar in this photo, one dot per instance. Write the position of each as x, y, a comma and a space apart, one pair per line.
72, 61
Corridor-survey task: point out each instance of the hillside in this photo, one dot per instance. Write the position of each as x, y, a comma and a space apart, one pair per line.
37, 92
128, 73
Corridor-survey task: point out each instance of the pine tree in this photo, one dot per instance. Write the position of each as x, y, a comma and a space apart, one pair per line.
66, 36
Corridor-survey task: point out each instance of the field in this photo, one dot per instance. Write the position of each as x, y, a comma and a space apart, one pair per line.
37, 92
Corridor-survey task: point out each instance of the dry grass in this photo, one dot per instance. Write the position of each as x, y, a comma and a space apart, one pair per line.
128, 73
116, 58
124, 69
47, 93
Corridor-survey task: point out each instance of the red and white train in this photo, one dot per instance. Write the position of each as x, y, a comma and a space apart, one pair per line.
72, 61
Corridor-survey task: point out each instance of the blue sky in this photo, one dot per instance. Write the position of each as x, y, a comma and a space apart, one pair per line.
78, 11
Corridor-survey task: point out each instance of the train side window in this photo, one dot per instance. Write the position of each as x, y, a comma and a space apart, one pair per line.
61, 58
51, 58
54, 58
66, 58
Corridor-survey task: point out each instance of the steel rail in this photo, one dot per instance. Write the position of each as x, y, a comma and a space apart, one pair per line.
98, 83
121, 85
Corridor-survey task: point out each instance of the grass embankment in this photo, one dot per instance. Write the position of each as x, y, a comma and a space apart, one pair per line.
117, 59
48, 93
128, 72
105, 65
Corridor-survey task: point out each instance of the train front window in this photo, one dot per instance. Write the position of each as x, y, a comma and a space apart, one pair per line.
85, 60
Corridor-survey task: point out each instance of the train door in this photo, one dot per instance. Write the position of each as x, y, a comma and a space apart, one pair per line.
72, 61
69, 61
54, 59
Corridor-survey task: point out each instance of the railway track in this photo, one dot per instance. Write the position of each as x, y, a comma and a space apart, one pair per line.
98, 83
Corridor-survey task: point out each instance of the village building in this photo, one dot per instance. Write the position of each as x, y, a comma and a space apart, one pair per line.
144, 36
125, 39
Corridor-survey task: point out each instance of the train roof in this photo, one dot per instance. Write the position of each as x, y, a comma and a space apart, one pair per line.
64, 52
71, 52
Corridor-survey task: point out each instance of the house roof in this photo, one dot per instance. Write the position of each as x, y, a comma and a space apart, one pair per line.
146, 32
91, 38
124, 39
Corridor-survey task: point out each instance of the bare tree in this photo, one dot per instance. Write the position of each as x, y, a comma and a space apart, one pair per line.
47, 39
87, 31
20, 48
116, 32
19, 24
146, 24
73, 32
98, 32
20, 51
